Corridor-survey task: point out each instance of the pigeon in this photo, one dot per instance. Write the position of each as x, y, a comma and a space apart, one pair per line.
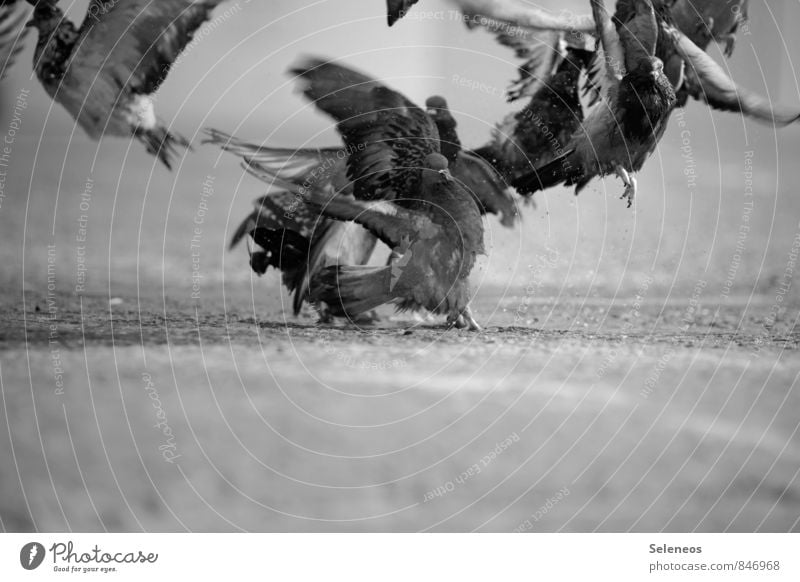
623, 127
403, 193
692, 24
106, 72
290, 173
325, 172
473, 172
437, 234
396, 9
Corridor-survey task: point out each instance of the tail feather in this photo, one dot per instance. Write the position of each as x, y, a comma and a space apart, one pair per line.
162, 144
350, 291
561, 169
291, 167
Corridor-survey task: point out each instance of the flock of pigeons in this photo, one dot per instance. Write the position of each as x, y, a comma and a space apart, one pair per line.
600, 90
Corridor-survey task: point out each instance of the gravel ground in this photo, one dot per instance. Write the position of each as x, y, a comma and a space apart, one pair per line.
588, 415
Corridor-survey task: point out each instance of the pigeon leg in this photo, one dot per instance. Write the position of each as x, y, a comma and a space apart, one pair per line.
630, 184
324, 313
456, 320
472, 325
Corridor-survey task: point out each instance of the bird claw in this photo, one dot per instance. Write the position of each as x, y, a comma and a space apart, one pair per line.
630, 184
629, 194
465, 320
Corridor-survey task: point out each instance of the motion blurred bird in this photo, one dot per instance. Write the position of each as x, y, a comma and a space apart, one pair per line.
12, 33
324, 172
687, 27
704, 21
106, 72
437, 234
622, 129
413, 203
542, 130
281, 218
396, 9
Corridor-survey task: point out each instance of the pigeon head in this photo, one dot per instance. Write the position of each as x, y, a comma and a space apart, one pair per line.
438, 163
437, 108
652, 66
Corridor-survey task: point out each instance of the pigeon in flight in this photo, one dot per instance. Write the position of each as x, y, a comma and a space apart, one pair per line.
105, 72
396, 9
622, 129
13, 15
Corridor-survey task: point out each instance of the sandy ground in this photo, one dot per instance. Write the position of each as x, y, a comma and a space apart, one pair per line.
560, 416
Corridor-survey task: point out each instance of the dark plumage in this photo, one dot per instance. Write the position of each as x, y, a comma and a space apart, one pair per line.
293, 173
106, 72
472, 171
396, 9
12, 32
403, 193
704, 21
436, 233
543, 129
623, 128
324, 172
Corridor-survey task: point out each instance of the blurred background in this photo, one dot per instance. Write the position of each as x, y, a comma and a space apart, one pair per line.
234, 78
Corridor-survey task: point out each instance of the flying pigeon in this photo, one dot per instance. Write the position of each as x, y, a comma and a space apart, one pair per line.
106, 72
622, 129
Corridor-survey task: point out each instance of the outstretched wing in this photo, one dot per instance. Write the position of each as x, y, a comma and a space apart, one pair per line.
637, 29
386, 136
396, 9
392, 224
716, 88
133, 44
12, 34
288, 168
514, 13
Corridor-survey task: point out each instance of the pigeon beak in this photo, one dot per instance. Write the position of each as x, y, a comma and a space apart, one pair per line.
432, 112
447, 175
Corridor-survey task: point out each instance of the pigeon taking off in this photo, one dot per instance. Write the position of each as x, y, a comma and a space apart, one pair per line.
622, 129
106, 72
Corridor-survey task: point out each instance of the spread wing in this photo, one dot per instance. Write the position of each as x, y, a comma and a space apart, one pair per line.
396, 9
134, 43
541, 51
637, 29
513, 13
716, 88
12, 34
287, 168
608, 65
387, 137
392, 224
